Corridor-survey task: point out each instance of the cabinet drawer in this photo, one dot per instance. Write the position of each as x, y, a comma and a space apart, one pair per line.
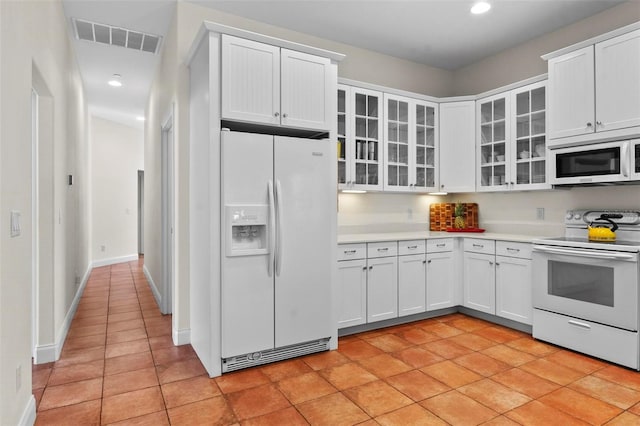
511, 249
352, 251
477, 245
440, 245
610, 343
385, 249
411, 247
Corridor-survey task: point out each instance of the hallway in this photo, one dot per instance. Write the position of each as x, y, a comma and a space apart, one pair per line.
119, 366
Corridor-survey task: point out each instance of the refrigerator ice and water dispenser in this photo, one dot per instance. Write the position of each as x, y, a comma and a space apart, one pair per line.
247, 230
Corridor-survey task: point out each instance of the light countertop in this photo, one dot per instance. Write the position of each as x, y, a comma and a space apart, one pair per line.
425, 235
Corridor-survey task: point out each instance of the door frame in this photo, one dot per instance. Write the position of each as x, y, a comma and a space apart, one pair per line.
168, 210
35, 205
141, 212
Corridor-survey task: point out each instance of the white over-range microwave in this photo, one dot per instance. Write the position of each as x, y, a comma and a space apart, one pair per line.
607, 162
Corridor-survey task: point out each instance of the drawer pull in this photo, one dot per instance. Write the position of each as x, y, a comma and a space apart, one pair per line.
441, 245
370, 267
412, 247
349, 251
513, 250
364, 268
580, 324
383, 249
478, 245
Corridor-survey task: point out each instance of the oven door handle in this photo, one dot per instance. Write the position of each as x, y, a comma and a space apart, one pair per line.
586, 253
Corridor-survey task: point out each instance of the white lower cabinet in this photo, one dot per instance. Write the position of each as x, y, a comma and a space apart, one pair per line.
411, 277
480, 282
352, 304
382, 288
441, 275
513, 281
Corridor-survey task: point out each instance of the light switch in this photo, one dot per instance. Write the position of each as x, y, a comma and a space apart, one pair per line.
16, 228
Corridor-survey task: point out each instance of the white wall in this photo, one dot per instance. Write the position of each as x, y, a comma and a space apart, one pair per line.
47, 49
117, 153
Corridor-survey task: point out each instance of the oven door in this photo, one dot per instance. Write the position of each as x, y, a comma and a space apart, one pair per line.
597, 163
595, 285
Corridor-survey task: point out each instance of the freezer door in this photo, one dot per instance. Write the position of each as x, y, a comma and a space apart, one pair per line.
304, 191
247, 288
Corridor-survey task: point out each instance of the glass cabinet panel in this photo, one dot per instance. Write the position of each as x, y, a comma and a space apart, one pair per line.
493, 142
397, 121
342, 136
425, 146
530, 136
366, 149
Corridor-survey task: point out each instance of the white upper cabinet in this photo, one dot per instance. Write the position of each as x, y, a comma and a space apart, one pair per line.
512, 141
306, 91
594, 90
268, 85
359, 139
250, 81
618, 82
457, 159
410, 139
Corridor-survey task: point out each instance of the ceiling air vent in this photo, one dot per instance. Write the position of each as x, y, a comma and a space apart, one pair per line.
116, 36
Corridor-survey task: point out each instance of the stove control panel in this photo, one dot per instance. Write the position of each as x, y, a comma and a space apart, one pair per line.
584, 217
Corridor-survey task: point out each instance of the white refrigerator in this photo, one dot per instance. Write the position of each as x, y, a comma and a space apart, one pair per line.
276, 248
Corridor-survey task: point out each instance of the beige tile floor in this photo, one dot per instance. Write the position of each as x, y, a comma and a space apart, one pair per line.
119, 366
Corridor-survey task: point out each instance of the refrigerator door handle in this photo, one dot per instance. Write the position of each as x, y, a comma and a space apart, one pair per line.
278, 228
272, 229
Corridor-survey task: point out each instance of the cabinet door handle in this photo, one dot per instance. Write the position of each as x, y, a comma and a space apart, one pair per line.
513, 250
364, 268
497, 263
284, 115
598, 123
429, 261
589, 124
370, 267
442, 186
276, 114
490, 263
424, 262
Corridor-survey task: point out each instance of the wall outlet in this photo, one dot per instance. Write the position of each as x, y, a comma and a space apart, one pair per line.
540, 213
18, 377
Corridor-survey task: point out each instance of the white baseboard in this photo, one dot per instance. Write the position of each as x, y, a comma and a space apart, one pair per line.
28, 417
51, 352
114, 260
152, 284
181, 337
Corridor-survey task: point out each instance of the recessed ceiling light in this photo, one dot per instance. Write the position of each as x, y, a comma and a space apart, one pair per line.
116, 80
140, 118
480, 7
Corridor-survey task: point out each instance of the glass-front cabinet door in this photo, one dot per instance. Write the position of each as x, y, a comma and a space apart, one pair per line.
426, 146
492, 138
359, 138
397, 135
410, 144
529, 138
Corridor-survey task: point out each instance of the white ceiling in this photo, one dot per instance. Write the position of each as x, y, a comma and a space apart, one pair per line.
440, 33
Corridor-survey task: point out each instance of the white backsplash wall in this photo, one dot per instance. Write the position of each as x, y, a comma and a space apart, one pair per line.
380, 212
504, 212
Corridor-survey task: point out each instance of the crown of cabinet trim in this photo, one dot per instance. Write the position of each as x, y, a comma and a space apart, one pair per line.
208, 27
606, 36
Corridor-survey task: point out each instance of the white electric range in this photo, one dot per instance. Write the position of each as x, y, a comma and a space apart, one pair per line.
585, 293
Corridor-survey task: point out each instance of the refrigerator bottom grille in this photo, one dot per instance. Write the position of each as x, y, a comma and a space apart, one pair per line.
272, 355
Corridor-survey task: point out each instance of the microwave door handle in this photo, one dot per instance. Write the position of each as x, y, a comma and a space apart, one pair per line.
624, 159
584, 253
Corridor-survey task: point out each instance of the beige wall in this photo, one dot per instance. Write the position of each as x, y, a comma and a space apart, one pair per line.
34, 36
524, 61
117, 153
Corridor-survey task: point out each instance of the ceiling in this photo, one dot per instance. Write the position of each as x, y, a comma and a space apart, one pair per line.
440, 33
